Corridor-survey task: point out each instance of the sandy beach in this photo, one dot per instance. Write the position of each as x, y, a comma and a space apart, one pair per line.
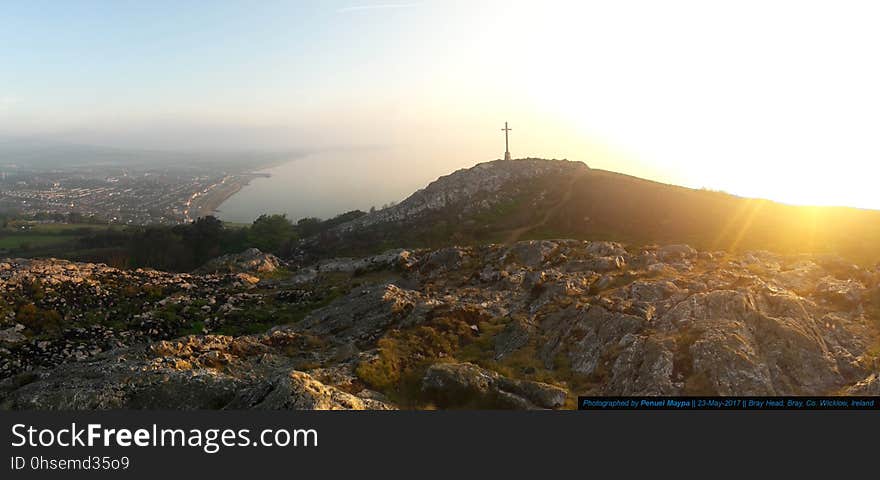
209, 203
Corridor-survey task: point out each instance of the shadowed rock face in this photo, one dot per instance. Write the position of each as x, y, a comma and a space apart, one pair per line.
530, 325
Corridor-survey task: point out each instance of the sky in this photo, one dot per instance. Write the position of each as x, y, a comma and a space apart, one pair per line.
774, 99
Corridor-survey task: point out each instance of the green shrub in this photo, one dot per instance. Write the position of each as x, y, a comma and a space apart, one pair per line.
37, 320
404, 355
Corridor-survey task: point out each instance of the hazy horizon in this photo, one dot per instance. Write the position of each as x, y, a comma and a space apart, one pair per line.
773, 99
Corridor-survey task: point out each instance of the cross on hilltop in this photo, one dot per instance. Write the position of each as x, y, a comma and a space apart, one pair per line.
506, 145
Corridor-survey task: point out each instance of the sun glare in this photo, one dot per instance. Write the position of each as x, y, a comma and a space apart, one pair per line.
734, 102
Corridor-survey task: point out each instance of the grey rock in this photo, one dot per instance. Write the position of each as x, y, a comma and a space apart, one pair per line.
597, 264
465, 384
531, 253
870, 386
670, 253
251, 260
299, 391
848, 293
398, 258
515, 335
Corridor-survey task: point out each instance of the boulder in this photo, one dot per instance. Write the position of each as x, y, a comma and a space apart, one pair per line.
531, 253
299, 391
515, 335
596, 264
869, 387
12, 335
800, 277
444, 260
671, 253
467, 385
251, 260
847, 293
391, 259
605, 249
365, 314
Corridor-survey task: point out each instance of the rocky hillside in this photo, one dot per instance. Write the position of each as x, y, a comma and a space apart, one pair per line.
471, 190
527, 325
505, 201
480, 204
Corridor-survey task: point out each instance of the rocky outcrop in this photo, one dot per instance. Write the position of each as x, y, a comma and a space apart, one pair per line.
251, 260
398, 258
528, 325
365, 314
465, 185
675, 252
465, 384
55, 311
299, 391
847, 292
868, 387
196, 372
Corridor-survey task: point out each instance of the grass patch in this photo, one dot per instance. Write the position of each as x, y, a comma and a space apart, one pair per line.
404, 355
257, 319
195, 328
277, 274
27, 241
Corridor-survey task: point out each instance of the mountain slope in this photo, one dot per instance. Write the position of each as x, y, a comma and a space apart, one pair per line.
532, 198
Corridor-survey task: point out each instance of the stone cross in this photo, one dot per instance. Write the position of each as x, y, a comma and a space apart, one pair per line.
506, 145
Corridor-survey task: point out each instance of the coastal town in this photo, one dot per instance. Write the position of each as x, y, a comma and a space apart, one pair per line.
119, 196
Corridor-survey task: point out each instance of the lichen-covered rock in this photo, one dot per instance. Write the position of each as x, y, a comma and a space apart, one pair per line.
467, 385
845, 292
676, 252
391, 259
530, 253
365, 314
194, 372
251, 260
869, 387
515, 335
597, 264
299, 391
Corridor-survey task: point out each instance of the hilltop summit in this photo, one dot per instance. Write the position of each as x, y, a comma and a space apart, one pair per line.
484, 203
505, 201
471, 189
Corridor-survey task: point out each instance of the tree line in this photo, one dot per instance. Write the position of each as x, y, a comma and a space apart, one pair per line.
185, 247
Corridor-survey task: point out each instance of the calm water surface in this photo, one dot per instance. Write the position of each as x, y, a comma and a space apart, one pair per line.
328, 183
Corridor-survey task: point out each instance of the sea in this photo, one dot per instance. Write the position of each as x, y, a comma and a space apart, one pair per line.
327, 183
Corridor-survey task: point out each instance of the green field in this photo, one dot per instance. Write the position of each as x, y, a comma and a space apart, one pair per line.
17, 241
26, 237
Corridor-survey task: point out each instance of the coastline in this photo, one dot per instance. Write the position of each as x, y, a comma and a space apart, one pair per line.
210, 202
